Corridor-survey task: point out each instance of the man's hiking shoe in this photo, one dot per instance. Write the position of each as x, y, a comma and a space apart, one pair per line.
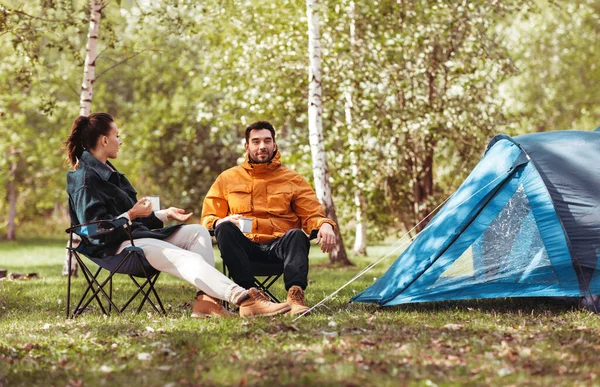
295, 299
258, 304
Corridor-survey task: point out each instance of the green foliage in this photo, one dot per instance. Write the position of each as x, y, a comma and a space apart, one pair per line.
430, 82
424, 78
557, 54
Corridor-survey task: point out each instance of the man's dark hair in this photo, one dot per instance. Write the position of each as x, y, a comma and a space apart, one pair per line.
258, 126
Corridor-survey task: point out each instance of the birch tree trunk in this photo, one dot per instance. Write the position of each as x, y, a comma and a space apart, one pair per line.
11, 191
315, 127
87, 90
360, 241
89, 68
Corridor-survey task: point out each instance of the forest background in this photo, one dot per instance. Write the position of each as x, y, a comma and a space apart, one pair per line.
412, 93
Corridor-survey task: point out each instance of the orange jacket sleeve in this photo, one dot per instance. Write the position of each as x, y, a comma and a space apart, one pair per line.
215, 205
307, 207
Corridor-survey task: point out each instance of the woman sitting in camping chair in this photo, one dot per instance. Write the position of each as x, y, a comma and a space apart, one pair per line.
97, 191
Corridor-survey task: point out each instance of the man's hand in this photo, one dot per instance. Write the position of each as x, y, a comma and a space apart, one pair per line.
231, 218
326, 237
178, 214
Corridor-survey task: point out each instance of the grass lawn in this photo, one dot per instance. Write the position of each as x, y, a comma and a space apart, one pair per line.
488, 342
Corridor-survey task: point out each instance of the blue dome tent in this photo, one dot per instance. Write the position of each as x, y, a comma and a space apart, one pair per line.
526, 222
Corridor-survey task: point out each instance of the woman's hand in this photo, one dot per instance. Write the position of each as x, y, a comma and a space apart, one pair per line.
141, 209
177, 214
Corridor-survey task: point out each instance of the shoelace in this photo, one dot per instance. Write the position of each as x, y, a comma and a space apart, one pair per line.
297, 297
259, 295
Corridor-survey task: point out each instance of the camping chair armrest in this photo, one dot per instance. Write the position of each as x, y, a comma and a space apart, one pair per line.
97, 227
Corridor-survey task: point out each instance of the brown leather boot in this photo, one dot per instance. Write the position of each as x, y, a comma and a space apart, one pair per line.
207, 306
258, 304
295, 299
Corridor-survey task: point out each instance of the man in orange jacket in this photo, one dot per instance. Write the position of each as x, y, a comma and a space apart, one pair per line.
283, 208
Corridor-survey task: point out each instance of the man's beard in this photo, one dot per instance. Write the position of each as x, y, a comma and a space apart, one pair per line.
252, 161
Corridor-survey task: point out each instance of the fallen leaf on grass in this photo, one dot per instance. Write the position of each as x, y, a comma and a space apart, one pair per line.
367, 342
329, 334
454, 327
282, 327
525, 352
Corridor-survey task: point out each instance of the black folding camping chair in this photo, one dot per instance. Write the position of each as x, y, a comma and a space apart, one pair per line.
131, 262
266, 273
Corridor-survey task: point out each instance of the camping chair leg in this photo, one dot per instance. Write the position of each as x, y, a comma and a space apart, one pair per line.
91, 279
151, 281
223, 302
265, 287
69, 280
162, 308
101, 287
134, 295
275, 278
110, 294
146, 295
272, 296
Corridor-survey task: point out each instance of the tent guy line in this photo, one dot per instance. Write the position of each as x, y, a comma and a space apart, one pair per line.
375, 263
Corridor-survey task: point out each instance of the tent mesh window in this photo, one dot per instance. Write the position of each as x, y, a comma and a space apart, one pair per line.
510, 250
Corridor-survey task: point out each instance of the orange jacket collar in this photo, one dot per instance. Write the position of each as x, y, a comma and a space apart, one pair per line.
262, 168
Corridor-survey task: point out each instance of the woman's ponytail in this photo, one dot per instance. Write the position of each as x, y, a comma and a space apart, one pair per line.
85, 133
74, 143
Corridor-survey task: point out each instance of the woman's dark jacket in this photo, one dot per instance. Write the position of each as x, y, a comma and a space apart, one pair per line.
98, 193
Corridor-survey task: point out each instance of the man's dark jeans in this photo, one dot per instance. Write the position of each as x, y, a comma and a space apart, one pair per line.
237, 251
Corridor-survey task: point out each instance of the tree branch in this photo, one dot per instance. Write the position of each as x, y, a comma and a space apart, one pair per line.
72, 89
36, 17
119, 63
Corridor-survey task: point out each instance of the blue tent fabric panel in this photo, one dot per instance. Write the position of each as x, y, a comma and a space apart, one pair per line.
528, 267
466, 239
595, 281
552, 234
453, 218
569, 163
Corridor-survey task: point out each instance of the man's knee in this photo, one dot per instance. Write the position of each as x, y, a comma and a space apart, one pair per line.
226, 230
297, 235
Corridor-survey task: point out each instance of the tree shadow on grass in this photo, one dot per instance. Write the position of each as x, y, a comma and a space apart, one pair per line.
536, 305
